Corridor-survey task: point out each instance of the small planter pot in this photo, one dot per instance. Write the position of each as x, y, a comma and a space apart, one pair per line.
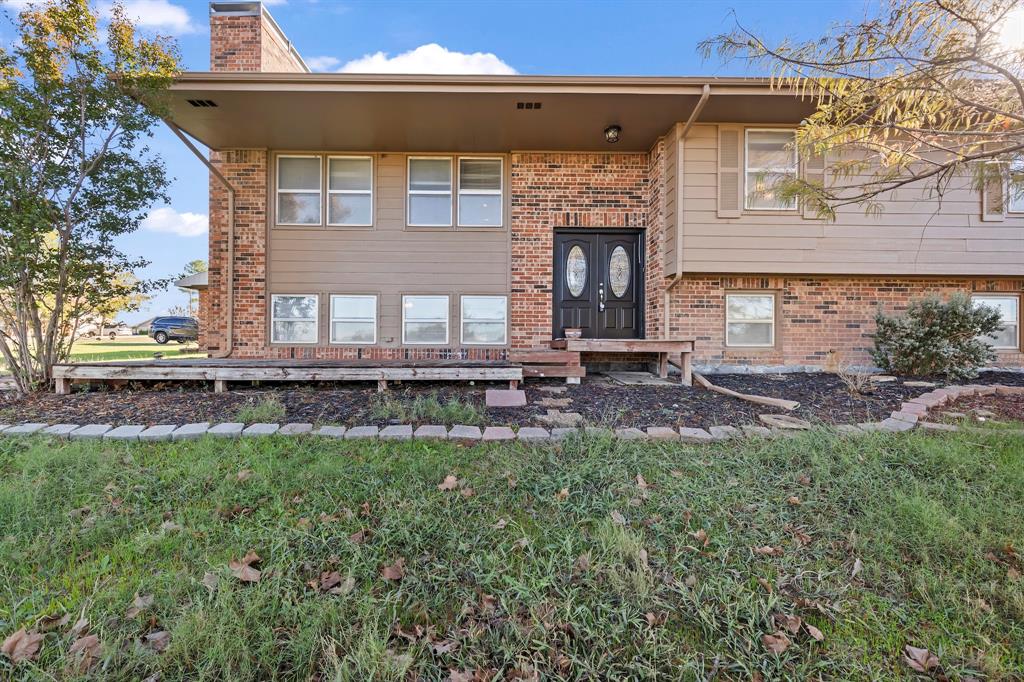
573, 332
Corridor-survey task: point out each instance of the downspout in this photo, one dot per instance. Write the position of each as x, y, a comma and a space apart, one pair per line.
694, 115
230, 305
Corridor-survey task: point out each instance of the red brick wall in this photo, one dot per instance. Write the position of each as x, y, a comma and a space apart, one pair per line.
249, 43
819, 320
552, 190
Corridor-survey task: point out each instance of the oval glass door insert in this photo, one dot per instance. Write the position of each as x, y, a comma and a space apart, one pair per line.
619, 271
576, 270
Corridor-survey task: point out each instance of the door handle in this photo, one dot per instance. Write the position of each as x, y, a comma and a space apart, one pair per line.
600, 297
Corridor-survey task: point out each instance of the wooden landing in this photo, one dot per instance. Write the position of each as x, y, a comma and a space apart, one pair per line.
679, 350
229, 369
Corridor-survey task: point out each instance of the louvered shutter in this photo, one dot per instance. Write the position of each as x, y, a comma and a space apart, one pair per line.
992, 196
814, 172
730, 171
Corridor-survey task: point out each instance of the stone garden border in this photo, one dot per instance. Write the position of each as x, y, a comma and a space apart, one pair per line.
911, 415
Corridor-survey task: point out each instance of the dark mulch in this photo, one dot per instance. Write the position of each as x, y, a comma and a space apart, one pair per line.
1005, 407
823, 399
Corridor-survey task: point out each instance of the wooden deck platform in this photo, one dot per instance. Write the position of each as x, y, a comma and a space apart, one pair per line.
678, 350
224, 370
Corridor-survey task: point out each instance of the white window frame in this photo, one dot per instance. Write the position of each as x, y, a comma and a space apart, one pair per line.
500, 192
771, 323
1017, 301
462, 320
747, 170
316, 320
447, 319
1014, 204
332, 319
278, 191
409, 192
371, 192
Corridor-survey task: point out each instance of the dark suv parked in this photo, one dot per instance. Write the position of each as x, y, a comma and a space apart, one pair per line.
180, 329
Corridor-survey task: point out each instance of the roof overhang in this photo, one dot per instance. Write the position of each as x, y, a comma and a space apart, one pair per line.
197, 281
401, 113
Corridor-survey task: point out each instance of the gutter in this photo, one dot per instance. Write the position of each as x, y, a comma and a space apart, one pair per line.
229, 336
694, 115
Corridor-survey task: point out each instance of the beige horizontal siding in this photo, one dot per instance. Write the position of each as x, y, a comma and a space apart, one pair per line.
391, 259
914, 234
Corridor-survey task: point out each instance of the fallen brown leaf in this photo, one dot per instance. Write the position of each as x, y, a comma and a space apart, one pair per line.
210, 581
776, 643
450, 482
139, 604
444, 646
47, 623
395, 571
788, 622
512, 482
243, 570
768, 550
618, 518
701, 536
804, 479
766, 585
467, 492
583, 562
22, 646
360, 536
170, 527
919, 660
794, 500
814, 632
562, 494
857, 568
244, 475
158, 641
641, 482
500, 524
85, 650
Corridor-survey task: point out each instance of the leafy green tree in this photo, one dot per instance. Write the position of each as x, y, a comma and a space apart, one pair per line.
75, 173
924, 91
193, 267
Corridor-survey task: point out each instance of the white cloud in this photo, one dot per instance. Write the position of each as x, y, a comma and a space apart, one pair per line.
157, 15
431, 58
168, 220
322, 63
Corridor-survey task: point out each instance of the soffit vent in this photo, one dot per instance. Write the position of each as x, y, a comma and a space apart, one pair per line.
528, 105
202, 102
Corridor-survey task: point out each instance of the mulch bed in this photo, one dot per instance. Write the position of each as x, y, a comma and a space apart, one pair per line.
1005, 407
823, 399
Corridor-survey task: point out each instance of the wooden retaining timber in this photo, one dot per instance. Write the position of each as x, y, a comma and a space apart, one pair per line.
549, 364
223, 371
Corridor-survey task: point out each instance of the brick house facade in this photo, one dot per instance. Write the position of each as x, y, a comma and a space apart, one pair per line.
820, 319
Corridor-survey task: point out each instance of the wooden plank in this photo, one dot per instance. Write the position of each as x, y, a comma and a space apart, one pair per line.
544, 357
625, 345
62, 386
685, 364
554, 371
293, 373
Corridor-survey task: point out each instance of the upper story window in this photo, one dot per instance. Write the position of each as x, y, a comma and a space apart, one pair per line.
298, 190
350, 191
480, 192
1015, 190
430, 191
770, 156
1008, 305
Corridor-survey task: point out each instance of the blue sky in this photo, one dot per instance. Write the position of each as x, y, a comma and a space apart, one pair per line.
540, 37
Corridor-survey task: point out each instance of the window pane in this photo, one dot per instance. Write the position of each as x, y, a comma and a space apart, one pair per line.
349, 209
294, 307
425, 332
430, 209
480, 174
761, 192
352, 174
483, 308
294, 332
1006, 305
298, 209
352, 332
479, 209
483, 332
433, 175
1004, 338
360, 307
426, 307
770, 149
749, 334
750, 307
301, 173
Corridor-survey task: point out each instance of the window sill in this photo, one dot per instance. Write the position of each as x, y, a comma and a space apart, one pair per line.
325, 228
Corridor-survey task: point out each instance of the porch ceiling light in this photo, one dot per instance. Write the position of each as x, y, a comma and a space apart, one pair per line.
611, 134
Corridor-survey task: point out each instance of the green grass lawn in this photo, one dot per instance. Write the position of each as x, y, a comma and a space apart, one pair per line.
549, 560
128, 348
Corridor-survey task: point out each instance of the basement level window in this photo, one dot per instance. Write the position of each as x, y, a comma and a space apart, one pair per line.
750, 320
484, 320
425, 320
1008, 336
293, 318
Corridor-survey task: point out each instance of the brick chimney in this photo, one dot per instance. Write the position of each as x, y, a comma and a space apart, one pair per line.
244, 37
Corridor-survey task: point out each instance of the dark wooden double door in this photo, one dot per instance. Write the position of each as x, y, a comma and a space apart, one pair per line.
598, 283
